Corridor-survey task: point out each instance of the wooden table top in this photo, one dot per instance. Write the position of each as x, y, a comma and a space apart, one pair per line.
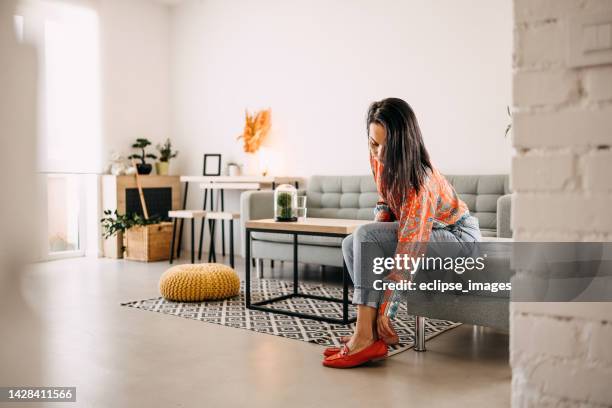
228, 179
320, 225
240, 179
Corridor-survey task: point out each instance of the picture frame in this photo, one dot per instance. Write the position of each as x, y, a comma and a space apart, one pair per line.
212, 165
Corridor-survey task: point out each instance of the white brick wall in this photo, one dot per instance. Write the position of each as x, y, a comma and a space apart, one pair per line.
568, 127
597, 83
529, 174
540, 44
562, 211
546, 87
600, 349
597, 170
561, 354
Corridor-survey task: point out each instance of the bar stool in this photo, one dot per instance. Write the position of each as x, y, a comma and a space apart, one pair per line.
221, 215
185, 214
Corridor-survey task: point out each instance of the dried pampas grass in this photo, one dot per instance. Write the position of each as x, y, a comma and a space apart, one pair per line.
256, 128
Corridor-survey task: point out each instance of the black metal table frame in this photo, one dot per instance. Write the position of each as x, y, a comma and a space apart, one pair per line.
261, 304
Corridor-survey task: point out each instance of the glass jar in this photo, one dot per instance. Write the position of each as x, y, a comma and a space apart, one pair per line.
285, 203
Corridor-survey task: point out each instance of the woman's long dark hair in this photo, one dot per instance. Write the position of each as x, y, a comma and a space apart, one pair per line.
406, 161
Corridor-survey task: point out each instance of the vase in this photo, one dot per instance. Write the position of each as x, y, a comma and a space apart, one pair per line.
162, 168
233, 170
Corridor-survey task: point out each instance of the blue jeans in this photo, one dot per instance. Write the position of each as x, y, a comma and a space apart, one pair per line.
381, 238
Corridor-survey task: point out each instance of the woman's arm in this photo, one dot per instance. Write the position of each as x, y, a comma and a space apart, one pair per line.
415, 224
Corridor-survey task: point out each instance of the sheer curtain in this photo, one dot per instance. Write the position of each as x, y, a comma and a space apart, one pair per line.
72, 117
67, 36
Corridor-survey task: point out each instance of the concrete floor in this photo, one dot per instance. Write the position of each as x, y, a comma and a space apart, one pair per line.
62, 325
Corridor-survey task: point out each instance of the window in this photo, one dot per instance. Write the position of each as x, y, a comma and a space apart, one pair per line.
63, 214
67, 37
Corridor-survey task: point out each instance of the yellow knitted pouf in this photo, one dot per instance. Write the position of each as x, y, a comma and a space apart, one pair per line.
197, 282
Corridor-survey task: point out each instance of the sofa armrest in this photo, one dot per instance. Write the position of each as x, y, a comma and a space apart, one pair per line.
504, 209
254, 205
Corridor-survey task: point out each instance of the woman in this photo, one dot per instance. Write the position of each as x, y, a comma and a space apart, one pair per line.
416, 204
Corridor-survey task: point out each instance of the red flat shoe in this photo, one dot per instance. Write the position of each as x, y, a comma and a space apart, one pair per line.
343, 359
330, 351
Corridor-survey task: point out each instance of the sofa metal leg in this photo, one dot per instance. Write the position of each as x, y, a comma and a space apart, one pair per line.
419, 333
259, 265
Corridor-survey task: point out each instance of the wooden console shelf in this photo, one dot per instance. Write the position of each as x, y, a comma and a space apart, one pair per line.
115, 197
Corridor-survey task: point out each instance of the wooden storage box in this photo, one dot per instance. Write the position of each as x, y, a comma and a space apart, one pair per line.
149, 243
114, 197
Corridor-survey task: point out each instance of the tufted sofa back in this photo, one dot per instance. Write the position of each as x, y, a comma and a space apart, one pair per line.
354, 197
480, 193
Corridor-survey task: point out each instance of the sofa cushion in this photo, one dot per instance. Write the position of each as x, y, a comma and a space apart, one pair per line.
488, 232
302, 239
352, 197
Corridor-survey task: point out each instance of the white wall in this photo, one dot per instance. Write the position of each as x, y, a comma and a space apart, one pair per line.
134, 77
135, 52
318, 64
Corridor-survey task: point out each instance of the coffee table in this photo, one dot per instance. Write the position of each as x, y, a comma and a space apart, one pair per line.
323, 227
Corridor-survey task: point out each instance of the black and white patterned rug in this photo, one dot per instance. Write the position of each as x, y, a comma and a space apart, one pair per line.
233, 313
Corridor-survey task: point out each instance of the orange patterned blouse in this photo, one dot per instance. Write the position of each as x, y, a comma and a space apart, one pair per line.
436, 205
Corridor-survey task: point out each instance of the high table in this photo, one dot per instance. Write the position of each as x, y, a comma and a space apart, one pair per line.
324, 227
223, 183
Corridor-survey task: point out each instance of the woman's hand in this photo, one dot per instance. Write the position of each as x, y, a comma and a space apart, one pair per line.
385, 330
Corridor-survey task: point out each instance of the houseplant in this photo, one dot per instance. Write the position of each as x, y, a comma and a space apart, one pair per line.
509, 127
114, 223
143, 167
142, 239
165, 154
285, 203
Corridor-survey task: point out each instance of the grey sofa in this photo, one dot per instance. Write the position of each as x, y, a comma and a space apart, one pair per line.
354, 197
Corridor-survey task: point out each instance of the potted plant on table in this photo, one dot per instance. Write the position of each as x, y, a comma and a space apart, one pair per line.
165, 154
285, 203
143, 167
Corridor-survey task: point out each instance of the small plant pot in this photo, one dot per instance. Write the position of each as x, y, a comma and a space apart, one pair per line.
144, 168
162, 168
